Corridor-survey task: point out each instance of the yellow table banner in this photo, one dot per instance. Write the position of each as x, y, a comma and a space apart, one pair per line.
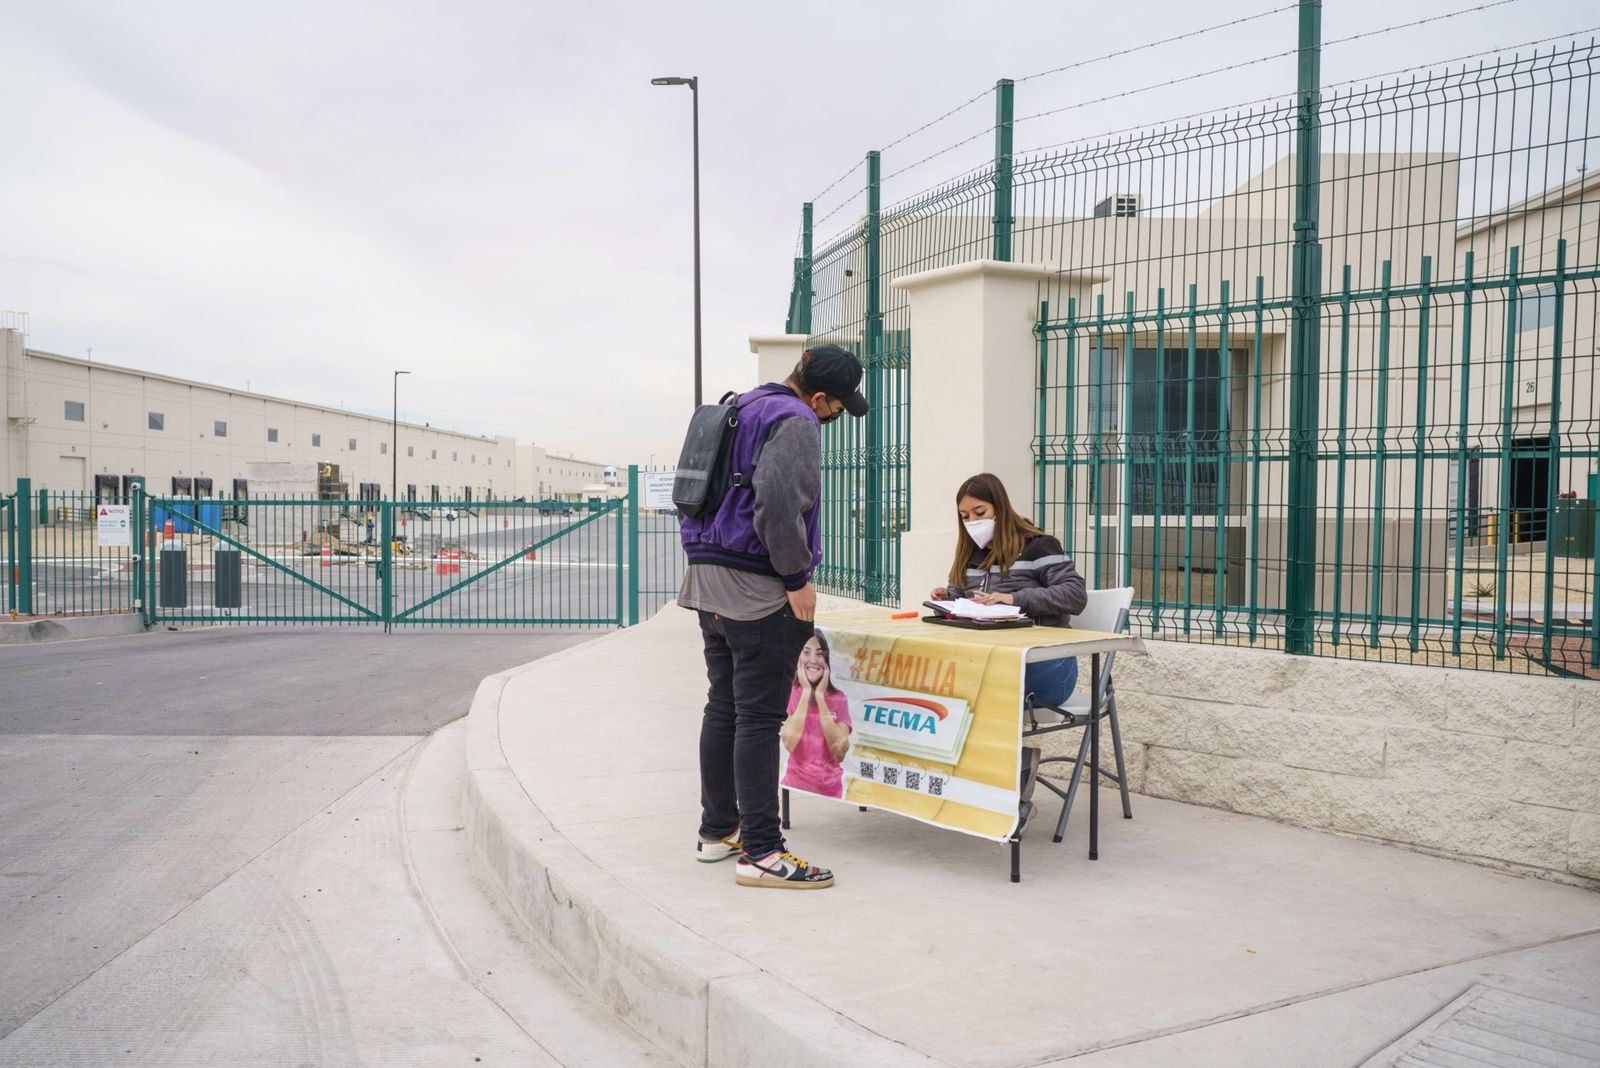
935, 719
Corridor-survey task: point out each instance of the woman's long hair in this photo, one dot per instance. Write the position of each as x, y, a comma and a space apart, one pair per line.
827, 658
1011, 531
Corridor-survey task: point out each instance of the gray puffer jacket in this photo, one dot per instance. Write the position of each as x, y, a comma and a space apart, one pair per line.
1043, 582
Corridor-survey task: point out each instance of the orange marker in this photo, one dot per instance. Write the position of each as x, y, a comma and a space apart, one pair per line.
904, 615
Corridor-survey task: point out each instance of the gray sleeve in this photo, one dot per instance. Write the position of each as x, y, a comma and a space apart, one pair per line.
788, 481
1061, 590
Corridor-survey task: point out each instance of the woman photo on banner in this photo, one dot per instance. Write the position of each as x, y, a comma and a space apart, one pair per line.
817, 733
1001, 558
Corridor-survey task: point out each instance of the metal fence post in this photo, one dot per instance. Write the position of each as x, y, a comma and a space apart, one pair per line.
140, 542
873, 321
1004, 93
619, 536
24, 554
8, 510
803, 317
1304, 357
799, 321
386, 560
634, 566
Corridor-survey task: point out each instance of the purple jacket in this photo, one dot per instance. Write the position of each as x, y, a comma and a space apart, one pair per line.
786, 497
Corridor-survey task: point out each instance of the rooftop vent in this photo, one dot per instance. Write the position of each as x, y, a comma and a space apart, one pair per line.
1121, 206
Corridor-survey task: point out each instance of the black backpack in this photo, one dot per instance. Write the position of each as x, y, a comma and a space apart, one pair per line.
705, 465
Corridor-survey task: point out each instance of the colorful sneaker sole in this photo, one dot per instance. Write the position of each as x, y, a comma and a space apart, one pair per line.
774, 883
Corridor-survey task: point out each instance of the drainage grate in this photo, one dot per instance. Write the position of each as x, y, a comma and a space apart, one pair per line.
1489, 1028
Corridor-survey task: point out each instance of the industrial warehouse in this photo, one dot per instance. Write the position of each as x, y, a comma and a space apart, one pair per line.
80, 426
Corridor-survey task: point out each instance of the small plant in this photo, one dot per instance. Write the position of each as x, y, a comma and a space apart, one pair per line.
1481, 589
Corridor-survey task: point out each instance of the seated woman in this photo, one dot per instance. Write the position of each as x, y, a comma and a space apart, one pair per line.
1001, 558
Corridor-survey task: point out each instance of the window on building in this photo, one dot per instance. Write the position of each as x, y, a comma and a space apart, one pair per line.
383, 448
474, 457
435, 455
1536, 310
156, 421
316, 441
410, 451
272, 433
455, 457
1468, 509
74, 411
1169, 407
352, 444
219, 429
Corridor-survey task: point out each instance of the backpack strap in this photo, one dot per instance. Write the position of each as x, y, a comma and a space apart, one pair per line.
738, 479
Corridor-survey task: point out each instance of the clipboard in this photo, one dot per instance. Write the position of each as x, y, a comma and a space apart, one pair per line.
943, 619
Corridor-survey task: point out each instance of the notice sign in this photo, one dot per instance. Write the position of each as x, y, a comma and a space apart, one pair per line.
658, 489
112, 523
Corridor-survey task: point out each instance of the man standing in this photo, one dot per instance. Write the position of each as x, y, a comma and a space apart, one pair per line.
749, 578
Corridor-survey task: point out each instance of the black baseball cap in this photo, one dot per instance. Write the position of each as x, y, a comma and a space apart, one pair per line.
835, 371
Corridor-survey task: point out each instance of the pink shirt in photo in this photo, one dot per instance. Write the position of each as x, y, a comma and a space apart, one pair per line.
810, 767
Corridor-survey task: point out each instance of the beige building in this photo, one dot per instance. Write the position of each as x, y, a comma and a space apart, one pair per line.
73, 425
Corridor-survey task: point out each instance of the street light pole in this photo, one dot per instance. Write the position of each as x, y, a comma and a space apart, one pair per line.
394, 438
694, 90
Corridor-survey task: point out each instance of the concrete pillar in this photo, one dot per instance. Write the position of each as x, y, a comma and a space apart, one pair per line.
776, 355
973, 398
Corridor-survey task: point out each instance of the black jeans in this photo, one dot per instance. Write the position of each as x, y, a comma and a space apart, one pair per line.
750, 666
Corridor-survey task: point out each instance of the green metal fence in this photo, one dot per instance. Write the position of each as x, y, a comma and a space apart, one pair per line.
1338, 374
312, 561
1317, 372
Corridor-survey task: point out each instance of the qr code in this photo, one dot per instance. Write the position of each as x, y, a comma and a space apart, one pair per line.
913, 780
936, 785
891, 775
869, 770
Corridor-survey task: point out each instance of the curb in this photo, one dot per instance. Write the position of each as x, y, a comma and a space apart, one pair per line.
70, 628
701, 1004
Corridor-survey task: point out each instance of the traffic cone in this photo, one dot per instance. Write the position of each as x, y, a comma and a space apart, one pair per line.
327, 555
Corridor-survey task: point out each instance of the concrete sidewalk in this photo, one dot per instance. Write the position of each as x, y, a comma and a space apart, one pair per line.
1199, 937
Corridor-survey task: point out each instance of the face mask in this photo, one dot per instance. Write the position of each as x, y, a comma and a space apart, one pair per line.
981, 531
826, 416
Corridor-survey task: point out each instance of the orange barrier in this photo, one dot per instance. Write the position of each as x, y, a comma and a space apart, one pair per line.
447, 562
327, 555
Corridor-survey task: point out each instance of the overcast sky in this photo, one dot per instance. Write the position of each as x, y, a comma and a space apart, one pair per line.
302, 197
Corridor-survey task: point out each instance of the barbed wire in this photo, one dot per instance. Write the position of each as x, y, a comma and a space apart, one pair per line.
1168, 83
1056, 70
1266, 59
1157, 44
1570, 35
1419, 22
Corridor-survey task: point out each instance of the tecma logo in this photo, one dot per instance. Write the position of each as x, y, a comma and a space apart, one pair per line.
916, 714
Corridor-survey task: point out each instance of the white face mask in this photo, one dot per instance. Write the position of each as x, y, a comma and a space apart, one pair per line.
981, 531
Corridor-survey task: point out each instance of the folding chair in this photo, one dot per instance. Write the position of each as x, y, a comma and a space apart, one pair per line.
1106, 611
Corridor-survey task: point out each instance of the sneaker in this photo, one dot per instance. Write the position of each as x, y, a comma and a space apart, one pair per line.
781, 871
709, 851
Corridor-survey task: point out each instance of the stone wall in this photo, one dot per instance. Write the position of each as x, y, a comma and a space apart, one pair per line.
1498, 769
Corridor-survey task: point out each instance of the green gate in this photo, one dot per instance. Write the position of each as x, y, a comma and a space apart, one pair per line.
352, 562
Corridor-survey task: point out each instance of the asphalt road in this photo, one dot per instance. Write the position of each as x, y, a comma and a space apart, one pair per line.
140, 775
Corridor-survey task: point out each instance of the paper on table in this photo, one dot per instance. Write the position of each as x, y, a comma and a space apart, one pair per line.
966, 608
